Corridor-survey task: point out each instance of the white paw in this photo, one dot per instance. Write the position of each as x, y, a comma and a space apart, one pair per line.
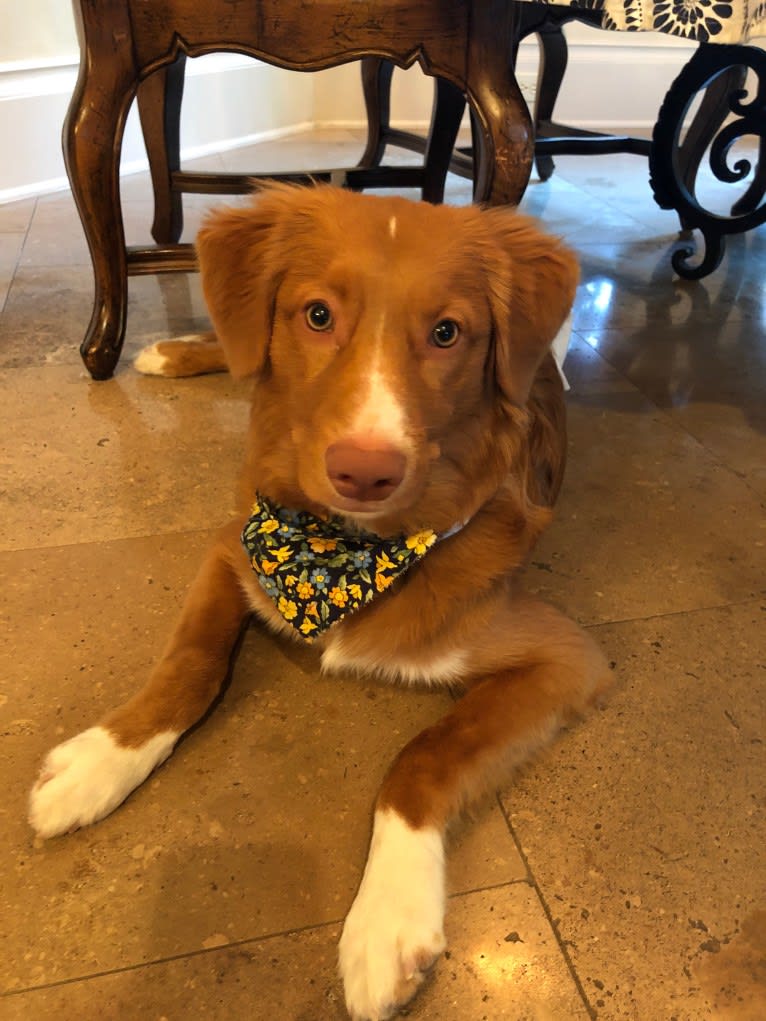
161, 358
87, 777
394, 931
150, 362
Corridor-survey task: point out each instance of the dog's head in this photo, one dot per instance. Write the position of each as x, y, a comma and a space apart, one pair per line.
394, 345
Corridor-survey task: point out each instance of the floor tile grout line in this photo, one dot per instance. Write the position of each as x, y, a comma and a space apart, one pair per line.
188, 954
521, 881
548, 914
668, 414
17, 264
756, 597
616, 206
581, 333
210, 530
169, 959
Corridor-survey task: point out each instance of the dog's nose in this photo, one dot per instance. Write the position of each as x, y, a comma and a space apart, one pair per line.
362, 474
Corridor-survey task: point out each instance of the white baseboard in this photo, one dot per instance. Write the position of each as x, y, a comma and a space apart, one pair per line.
223, 109
230, 101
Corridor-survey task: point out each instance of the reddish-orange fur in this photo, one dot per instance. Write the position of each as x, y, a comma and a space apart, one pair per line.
190, 357
480, 429
488, 448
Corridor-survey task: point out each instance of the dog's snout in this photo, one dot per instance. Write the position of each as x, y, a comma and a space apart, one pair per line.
368, 475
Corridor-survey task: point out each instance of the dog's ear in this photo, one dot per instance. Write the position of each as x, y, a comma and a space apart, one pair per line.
241, 260
533, 278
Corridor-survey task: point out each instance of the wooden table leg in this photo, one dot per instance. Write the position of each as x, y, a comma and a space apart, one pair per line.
504, 131
92, 140
159, 106
448, 108
376, 86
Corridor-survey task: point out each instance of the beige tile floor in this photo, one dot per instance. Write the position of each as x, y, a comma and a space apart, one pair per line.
621, 876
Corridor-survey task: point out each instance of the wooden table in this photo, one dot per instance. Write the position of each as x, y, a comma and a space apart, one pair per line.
125, 42
137, 48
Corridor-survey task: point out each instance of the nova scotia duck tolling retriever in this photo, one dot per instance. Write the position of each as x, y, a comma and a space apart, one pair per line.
406, 445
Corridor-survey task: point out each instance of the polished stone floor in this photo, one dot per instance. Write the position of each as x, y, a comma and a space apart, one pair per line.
622, 875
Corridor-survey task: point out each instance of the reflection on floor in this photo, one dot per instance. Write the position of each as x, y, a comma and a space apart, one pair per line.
621, 876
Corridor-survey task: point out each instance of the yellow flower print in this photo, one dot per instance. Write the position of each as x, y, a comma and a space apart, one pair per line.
382, 581
269, 566
290, 580
287, 608
283, 554
312, 611
338, 596
421, 541
269, 526
383, 562
307, 627
322, 545
355, 590
305, 590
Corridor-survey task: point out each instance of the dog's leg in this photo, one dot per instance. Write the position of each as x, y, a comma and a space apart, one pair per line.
88, 776
394, 931
195, 355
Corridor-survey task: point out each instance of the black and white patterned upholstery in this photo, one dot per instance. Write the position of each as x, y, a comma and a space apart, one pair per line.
704, 21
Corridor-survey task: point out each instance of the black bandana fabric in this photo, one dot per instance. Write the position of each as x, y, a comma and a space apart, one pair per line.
316, 571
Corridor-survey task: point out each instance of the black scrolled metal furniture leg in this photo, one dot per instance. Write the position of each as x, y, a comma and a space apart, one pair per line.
670, 175
707, 123
554, 55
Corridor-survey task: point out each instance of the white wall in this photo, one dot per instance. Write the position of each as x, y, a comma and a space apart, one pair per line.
38, 69
613, 82
37, 33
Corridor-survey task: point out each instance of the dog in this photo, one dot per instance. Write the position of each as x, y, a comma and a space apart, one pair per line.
406, 446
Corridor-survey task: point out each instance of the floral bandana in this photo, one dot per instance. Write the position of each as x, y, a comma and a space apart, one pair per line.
316, 570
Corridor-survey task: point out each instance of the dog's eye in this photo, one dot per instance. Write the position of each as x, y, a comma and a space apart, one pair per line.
319, 316
445, 333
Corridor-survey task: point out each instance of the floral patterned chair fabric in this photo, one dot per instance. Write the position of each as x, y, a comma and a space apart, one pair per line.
699, 20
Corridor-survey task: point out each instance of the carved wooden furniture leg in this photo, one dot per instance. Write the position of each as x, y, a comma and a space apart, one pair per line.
504, 136
92, 139
438, 147
671, 178
376, 87
159, 107
376, 84
447, 113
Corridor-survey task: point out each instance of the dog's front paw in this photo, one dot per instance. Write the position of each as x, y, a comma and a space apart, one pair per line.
87, 777
394, 931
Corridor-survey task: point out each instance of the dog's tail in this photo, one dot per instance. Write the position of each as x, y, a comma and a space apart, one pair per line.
192, 355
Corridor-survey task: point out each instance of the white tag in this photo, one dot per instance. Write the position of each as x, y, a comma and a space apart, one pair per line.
560, 346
